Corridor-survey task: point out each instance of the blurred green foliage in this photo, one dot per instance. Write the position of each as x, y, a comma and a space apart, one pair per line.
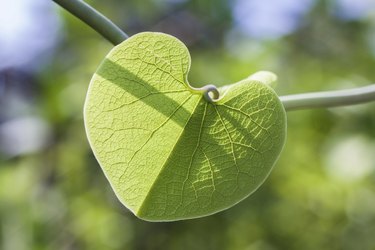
321, 194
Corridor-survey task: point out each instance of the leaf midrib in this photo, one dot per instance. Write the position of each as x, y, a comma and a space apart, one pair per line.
169, 156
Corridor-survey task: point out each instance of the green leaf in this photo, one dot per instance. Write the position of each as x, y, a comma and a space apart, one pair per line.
169, 153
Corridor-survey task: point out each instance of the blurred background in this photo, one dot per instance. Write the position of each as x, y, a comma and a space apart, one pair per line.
321, 194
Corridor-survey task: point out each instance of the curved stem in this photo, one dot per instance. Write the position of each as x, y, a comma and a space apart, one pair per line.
329, 98
210, 92
94, 19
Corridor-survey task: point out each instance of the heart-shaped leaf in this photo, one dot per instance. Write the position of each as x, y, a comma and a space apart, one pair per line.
168, 152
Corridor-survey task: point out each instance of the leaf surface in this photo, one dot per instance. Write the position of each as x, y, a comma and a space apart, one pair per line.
168, 153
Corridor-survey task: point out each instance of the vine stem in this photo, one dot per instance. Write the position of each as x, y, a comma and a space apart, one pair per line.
94, 19
327, 99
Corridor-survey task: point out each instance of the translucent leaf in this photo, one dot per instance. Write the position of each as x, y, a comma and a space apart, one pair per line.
168, 153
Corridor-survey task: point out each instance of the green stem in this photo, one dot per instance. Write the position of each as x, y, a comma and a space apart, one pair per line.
329, 98
94, 19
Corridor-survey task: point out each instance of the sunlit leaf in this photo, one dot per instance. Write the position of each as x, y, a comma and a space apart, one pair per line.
168, 153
